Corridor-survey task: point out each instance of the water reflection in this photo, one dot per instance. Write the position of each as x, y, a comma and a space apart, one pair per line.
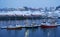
26, 32
49, 32
32, 32
15, 33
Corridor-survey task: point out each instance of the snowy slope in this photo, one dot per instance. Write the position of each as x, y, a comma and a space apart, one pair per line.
28, 13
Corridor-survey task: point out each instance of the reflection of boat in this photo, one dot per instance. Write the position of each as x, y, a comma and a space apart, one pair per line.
26, 32
51, 32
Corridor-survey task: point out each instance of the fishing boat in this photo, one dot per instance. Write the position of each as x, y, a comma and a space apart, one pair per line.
17, 27
51, 24
33, 25
10, 27
47, 26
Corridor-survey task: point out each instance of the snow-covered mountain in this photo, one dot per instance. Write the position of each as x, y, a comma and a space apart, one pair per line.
30, 13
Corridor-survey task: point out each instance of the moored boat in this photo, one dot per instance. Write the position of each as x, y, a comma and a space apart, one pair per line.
31, 26
46, 26
51, 24
13, 27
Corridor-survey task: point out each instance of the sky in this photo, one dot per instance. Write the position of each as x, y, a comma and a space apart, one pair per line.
28, 3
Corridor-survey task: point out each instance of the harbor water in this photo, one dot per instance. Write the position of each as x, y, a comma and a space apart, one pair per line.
28, 32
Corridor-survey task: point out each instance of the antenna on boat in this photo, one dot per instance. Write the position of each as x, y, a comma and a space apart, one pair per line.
54, 21
33, 22
15, 20
8, 22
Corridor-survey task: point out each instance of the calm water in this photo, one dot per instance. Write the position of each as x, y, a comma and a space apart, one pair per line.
34, 32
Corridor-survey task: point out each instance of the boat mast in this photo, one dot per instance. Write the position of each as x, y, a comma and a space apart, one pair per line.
33, 23
45, 17
15, 20
8, 22
26, 22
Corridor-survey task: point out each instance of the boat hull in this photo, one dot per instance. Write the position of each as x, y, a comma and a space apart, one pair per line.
17, 28
31, 27
45, 26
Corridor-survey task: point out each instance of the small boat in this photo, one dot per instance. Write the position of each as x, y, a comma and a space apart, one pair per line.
30, 27
48, 25
33, 25
17, 27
